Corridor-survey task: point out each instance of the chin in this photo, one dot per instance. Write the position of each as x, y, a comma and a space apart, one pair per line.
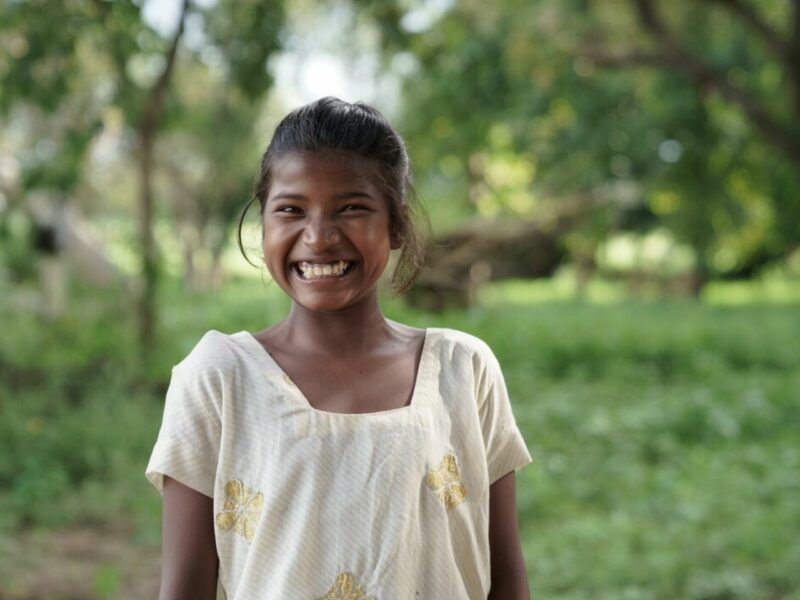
330, 305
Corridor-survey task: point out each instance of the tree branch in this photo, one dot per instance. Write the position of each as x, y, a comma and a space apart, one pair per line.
674, 55
147, 130
151, 112
650, 19
796, 21
772, 38
794, 55
794, 42
785, 46
705, 78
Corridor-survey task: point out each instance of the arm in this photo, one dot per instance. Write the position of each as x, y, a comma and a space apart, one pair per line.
189, 554
509, 579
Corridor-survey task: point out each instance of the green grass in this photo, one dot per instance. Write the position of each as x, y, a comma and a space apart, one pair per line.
665, 434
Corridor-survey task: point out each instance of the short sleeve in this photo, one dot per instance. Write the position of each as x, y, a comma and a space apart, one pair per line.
505, 447
187, 448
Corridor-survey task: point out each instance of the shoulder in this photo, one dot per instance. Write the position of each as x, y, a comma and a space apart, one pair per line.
210, 373
217, 353
466, 364
454, 339
460, 346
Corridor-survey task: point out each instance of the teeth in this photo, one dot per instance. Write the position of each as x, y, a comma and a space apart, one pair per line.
316, 271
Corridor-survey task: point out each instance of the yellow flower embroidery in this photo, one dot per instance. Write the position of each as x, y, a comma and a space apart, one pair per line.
446, 483
240, 510
345, 588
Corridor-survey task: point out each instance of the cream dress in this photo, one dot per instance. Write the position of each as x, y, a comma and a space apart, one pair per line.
310, 504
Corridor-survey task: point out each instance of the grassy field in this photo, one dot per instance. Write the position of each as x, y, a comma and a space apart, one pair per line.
665, 434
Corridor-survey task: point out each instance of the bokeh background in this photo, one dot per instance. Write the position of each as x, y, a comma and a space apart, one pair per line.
614, 188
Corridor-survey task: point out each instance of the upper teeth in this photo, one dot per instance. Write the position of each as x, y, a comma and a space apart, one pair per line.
311, 270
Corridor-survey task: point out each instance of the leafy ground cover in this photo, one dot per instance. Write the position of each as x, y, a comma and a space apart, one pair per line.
666, 439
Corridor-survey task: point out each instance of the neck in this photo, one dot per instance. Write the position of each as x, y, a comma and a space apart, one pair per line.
352, 332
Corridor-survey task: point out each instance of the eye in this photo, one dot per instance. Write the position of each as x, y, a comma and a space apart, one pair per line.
353, 207
287, 209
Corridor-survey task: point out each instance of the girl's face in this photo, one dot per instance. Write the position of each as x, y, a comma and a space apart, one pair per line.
326, 237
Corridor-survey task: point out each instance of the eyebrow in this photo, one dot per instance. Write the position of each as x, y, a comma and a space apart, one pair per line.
337, 197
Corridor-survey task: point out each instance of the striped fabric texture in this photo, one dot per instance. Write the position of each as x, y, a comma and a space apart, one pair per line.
310, 504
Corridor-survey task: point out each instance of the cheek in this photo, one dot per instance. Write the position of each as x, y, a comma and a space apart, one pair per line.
264, 240
271, 248
266, 250
381, 246
271, 234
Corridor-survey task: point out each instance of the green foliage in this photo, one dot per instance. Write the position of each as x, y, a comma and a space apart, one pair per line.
51, 69
652, 142
85, 70
664, 433
73, 384
63, 171
247, 33
40, 62
16, 241
106, 581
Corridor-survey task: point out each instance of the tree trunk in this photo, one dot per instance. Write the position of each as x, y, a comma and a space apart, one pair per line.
147, 308
148, 128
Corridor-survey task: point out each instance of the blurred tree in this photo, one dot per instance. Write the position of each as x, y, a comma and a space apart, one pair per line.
209, 169
148, 122
104, 50
508, 104
741, 206
46, 93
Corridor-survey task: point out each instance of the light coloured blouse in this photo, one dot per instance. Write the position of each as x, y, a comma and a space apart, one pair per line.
309, 504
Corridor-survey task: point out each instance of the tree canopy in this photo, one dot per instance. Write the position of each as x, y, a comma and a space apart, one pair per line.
673, 115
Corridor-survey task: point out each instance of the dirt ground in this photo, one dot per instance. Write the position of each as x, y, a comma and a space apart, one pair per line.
78, 564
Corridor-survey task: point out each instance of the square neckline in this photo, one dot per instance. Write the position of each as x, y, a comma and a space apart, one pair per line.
420, 380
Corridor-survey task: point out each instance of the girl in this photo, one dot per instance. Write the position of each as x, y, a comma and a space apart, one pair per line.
338, 455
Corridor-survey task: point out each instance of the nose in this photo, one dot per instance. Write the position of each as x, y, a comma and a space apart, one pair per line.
320, 233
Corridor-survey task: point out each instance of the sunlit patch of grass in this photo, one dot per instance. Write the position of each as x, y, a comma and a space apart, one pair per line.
561, 288
759, 291
564, 288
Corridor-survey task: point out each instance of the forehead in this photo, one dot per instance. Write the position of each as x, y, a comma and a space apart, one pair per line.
307, 173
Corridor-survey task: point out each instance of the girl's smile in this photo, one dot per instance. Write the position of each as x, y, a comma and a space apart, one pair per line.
312, 271
326, 230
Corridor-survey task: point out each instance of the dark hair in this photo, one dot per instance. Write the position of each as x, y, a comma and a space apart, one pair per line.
331, 125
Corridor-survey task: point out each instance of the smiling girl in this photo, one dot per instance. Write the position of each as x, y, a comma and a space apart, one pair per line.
338, 454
